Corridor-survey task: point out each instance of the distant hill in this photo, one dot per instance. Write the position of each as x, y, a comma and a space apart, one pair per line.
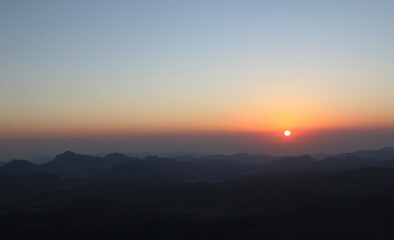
228, 166
260, 159
117, 166
163, 154
382, 154
41, 159
70, 164
348, 162
307, 164
113, 159
293, 163
19, 167
153, 167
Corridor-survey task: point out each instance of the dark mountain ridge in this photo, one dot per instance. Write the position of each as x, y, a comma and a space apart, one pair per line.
213, 167
70, 164
219, 198
386, 153
154, 167
16, 167
301, 162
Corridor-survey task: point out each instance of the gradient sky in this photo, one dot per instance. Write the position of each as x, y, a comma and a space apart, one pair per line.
148, 70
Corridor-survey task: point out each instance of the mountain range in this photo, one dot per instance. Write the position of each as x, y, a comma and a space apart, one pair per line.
117, 166
221, 197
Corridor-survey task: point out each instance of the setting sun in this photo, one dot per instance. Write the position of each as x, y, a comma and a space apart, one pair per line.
287, 133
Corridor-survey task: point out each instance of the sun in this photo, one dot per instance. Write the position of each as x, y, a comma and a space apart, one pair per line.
287, 133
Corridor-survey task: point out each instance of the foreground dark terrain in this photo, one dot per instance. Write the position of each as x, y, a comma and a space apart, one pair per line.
349, 196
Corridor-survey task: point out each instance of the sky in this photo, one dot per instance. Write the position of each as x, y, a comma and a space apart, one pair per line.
206, 76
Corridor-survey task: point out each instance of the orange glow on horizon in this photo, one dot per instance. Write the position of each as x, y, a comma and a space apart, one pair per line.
274, 114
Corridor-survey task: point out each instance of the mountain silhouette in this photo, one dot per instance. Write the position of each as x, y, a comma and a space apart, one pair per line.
154, 167
70, 164
291, 163
217, 197
18, 167
117, 166
348, 162
113, 159
386, 153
